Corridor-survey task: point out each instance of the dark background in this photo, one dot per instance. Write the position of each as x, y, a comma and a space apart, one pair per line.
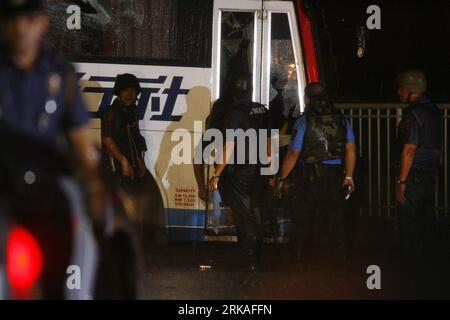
414, 34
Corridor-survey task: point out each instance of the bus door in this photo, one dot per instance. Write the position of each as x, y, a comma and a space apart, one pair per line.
261, 38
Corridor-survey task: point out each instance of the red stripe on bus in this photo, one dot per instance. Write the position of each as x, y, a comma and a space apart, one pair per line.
308, 43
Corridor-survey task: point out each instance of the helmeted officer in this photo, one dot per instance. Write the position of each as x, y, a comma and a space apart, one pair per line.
43, 125
420, 140
323, 154
244, 185
123, 154
121, 138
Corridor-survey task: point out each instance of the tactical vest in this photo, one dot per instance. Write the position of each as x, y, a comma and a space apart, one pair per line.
431, 131
253, 116
325, 137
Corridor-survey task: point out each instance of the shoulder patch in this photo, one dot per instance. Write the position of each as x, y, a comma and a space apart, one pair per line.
258, 110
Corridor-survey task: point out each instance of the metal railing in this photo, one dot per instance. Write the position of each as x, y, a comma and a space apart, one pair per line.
375, 128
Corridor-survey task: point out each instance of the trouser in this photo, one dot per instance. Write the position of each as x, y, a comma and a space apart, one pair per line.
244, 202
416, 219
316, 203
148, 204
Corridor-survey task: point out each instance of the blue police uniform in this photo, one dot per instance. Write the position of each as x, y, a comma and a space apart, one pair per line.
316, 199
35, 111
422, 125
32, 103
300, 127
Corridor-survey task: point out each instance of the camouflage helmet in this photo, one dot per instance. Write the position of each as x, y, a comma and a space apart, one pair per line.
125, 81
414, 81
315, 91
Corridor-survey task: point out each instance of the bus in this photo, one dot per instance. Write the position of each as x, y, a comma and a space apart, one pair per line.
182, 52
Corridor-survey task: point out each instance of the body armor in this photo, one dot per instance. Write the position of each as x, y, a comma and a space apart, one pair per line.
325, 136
430, 122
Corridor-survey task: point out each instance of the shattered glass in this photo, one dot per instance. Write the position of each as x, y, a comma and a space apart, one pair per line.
283, 72
176, 30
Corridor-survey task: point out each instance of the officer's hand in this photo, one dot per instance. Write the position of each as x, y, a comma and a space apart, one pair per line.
349, 182
400, 193
96, 200
212, 183
142, 168
272, 181
127, 169
278, 189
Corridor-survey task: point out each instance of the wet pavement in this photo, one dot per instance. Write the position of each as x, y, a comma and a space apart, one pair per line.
214, 270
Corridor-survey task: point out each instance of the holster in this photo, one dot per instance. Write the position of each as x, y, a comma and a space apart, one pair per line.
311, 171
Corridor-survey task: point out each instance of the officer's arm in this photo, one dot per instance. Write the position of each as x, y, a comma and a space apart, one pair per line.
269, 151
109, 144
289, 163
200, 175
85, 151
228, 148
295, 148
87, 156
350, 159
407, 159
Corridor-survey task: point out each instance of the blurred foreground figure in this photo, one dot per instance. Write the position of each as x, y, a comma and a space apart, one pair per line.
322, 158
50, 190
420, 141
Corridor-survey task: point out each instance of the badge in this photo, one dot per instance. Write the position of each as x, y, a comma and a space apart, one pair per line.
51, 106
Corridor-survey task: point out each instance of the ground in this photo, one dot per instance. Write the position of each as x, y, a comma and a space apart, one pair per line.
211, 270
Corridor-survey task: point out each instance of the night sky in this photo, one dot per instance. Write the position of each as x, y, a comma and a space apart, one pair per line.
414, 34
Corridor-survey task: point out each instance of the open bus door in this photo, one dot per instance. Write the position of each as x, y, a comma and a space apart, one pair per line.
261, 37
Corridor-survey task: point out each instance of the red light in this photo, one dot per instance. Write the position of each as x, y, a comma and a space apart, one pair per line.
24, 259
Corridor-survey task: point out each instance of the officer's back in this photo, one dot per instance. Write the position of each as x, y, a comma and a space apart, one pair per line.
423, 123
250, 117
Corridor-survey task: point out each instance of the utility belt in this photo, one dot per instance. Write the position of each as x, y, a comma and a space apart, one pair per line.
315, 170
419, 174
427, 169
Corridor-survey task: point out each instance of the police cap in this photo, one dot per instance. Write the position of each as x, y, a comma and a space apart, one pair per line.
13, 8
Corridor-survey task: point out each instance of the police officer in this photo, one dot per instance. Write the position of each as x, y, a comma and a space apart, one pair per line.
420, 137
215, 120
42, 122
323, 153
123, 156
243, 185
121, 139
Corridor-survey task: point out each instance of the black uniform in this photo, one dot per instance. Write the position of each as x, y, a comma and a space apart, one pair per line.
244, 184
120, 123
316, 197
422, 125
